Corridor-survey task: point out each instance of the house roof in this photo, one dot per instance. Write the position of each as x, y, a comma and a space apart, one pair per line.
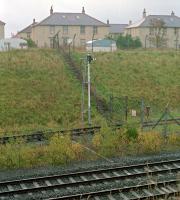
28, 28
69, 19
2, 23
117, 28
169, 20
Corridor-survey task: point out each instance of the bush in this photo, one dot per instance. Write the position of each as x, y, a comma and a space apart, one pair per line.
127, 41
31, 43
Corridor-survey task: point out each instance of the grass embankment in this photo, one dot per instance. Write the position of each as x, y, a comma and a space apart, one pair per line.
152, 75
37, 91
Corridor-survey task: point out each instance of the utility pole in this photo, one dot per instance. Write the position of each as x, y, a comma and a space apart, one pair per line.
86, 80
89, 60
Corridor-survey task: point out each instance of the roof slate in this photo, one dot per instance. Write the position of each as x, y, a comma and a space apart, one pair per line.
117, 28
76, 19
170, 21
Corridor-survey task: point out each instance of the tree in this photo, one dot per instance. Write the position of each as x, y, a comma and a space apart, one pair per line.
158, 31
127, 41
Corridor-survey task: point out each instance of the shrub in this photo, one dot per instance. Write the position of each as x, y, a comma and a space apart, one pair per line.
131, 133
31, 43
60, 150
150, 142
128, 42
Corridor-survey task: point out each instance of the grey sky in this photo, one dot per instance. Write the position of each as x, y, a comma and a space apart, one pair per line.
17, 14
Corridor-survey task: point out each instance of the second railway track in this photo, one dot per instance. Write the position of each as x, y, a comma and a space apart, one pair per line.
70, 186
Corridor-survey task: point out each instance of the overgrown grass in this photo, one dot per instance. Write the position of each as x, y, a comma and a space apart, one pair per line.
60, 151
152, 75
120, 143
37, 91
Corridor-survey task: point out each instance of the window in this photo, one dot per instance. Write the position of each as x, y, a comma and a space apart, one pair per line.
176, 31
82, 42
82, 29
28, 35
164, 31
95, 29
51, 43
52, 29
65, 29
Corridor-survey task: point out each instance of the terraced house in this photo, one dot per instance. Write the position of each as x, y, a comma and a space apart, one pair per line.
75, 28
2, 24
156, 30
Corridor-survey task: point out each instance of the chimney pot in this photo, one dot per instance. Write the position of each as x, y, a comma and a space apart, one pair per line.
34, 21
108, 22
144, 13
83, 10
130, 22
172, 14
51, 10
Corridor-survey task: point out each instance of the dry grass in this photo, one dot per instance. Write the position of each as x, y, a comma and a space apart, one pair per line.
37, 91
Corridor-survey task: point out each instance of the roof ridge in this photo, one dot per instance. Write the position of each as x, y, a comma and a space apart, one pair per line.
67, 13
164, 15
82, 14
118, 24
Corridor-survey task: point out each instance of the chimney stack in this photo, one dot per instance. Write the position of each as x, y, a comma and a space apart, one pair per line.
144, 13
34, 21
172, 14
83, 10
108, 22
51, 10
130, 22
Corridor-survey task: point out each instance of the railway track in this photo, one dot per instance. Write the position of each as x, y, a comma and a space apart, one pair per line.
162, 122
138, 181
39, 136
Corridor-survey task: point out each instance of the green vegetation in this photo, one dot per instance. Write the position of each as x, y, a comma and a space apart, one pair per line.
153, 75
37, 91
31, 43
60, 151
118, 143
126, 42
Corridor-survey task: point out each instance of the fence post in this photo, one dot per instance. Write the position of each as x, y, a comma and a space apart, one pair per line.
166, 122
126, 108
111, 106
142, 113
